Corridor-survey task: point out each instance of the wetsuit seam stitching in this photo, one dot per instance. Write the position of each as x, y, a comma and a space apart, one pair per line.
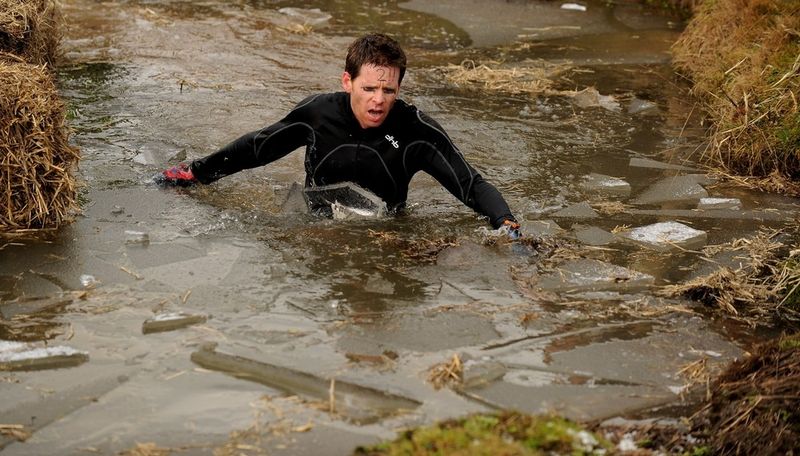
458, 152
264, 141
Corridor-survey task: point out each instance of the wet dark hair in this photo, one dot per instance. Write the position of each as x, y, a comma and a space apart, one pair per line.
375, 49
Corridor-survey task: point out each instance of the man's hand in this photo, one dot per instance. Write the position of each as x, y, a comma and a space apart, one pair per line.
179, 175
512, 229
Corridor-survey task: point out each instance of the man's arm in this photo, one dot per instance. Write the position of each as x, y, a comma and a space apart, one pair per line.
447, 165
253, 149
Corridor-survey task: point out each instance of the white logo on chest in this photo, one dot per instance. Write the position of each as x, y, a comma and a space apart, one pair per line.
394, 143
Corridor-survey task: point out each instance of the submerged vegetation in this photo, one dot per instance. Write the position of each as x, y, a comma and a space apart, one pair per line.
758, 283
743, 58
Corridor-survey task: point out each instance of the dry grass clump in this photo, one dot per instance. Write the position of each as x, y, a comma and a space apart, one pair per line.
743, 57
755, 404
446, 373
30, 29
750, 290
36, 160
534, 79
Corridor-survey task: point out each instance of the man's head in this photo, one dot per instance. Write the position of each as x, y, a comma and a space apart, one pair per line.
374, 67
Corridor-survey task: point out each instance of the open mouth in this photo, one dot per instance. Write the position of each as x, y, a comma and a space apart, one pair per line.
375, 114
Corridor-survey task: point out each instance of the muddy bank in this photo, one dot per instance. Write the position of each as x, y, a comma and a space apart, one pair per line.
742, 58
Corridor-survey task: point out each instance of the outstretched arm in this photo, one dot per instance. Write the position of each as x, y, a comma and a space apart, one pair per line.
253, 149
440, 158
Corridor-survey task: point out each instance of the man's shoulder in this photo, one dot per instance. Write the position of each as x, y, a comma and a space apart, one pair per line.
318, 99
410, 114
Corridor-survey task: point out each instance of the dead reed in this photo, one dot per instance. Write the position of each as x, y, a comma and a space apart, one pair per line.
446, 373
530, 78
30, 29
743, 57
750, 290
36, 160
754, 404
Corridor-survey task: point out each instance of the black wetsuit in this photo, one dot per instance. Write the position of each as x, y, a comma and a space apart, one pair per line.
381, 159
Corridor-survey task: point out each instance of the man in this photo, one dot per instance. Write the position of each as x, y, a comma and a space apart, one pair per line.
364, 135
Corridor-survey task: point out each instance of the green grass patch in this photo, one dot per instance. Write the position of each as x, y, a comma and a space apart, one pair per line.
507, 433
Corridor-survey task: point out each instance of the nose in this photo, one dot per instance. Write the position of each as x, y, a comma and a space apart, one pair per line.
379, 97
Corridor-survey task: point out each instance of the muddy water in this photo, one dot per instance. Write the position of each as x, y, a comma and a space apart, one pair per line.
376, 303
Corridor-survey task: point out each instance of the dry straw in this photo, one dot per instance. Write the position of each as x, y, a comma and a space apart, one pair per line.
30, 29
743, 57
532, 79
36, 160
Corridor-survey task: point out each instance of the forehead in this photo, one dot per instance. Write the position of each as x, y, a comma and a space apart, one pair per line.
385, 74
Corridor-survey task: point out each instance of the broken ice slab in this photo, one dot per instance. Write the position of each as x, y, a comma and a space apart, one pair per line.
765, 215
313, 16
665, 236
675, 189
171, 321
719, 203
580, 210
593, 275
360, 404
542, 228
136, 237
593, 235
590, 97
639, 106
18, 356
605, 185
637, 162
476, 373
295, 202
344, 194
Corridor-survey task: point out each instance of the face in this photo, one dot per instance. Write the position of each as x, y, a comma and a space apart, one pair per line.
372, 93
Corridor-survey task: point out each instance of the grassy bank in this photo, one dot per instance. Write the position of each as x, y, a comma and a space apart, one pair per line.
743, 58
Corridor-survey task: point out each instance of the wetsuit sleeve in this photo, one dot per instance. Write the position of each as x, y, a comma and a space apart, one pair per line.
442, 160
256, 148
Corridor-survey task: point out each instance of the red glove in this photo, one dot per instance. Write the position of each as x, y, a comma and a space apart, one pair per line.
512, 228
180, 175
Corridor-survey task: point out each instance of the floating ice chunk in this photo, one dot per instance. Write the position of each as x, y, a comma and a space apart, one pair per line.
594, 236
637, 162
719, 203
606, 185
88, 281
580, 210
573, 7
342, 212
171, 321
18, 356
590, 97
477, 373
309, 16
136, 237
593, 275
666, 236
350, 201
675, 189
637, 105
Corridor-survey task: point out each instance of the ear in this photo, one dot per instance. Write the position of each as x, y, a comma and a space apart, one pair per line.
347, 82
